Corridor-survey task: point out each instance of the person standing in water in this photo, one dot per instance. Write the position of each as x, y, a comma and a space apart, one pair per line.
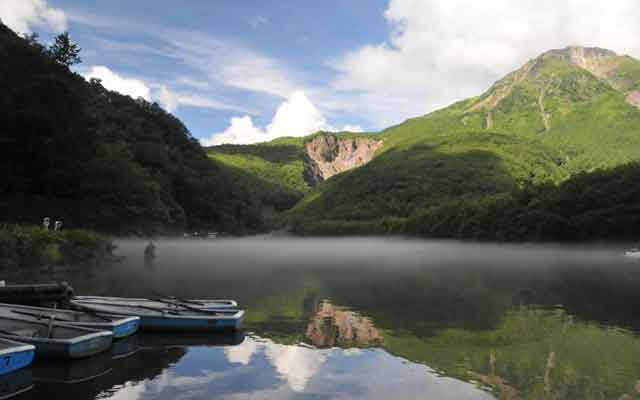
149, 254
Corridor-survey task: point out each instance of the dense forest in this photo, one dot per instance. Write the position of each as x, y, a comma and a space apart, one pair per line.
93, 158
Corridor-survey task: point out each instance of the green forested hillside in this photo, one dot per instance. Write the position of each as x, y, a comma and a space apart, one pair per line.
271, 172
74, 151
552, 121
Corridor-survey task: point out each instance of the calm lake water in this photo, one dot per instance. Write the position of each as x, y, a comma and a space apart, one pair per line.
367, 319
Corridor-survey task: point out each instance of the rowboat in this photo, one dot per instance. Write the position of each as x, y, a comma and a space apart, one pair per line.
14, 355
55, 340
166, 319
120, 327
166, 301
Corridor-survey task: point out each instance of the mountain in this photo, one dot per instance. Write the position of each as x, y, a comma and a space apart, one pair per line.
76, 152
524, 146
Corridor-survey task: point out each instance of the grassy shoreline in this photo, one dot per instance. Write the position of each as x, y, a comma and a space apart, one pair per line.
33, 246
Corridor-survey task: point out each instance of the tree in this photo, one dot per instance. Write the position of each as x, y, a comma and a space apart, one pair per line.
65, 51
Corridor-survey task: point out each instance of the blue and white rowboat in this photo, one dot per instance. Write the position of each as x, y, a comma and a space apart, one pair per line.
120, 327
14, 355
163, 319
165, 302
55, 340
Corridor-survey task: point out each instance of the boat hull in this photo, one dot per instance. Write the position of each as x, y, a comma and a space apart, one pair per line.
63, 349
16, 357
120, 327
189, 324
63, 341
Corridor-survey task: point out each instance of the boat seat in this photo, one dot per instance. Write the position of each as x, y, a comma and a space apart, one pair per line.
26, 332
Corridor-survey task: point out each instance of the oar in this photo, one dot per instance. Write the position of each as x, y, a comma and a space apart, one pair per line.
40, 316
179, 299
131, 306
53, 316
89, 311
190, 308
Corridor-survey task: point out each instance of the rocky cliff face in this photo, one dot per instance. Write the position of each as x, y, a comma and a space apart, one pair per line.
328, 155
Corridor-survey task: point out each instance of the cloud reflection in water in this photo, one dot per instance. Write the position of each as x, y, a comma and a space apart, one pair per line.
262, 369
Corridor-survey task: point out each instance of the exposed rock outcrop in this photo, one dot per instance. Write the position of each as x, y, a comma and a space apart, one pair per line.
594, 59
328, 155
633, 98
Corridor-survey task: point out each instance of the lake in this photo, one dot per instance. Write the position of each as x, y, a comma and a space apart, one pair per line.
367, 318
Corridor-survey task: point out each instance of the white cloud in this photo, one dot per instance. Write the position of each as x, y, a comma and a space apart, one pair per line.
22, 15
241, 131
191, 82
167, 99
172, 100
296, 116
113, 81
241, 354
352, 128
296, 364
231, 64
439, 52
258, 20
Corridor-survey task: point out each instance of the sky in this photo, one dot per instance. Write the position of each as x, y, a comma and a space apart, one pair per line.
253, 70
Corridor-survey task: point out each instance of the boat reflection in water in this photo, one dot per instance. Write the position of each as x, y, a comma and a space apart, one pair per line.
163, 340
16, 383
139, 358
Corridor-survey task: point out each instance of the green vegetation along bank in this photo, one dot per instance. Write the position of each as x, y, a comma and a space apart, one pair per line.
33, 246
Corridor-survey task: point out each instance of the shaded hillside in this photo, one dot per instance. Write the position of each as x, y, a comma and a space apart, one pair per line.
273, 170
75, 151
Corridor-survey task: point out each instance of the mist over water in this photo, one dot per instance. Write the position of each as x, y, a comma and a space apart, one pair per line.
373, 317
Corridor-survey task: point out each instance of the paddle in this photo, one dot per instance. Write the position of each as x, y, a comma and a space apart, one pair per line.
179, 299
39, 316
130, 306
194, 309
94, 314
53, 316
90, 312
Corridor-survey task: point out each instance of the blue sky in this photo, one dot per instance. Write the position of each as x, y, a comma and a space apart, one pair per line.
252, 70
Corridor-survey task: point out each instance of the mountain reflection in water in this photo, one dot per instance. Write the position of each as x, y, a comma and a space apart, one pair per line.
332, 326
376, 318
